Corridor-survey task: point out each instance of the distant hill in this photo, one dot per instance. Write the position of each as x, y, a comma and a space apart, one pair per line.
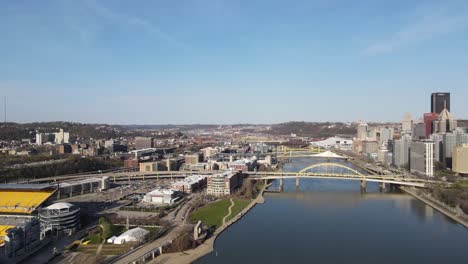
313, 129
15, 131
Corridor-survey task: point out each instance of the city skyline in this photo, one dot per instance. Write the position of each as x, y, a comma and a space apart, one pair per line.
226, 63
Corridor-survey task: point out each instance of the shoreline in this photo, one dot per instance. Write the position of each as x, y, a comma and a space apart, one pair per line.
439, 208
207, 247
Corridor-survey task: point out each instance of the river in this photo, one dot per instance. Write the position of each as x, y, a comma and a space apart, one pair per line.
331, 221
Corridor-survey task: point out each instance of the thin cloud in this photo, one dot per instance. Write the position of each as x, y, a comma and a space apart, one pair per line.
120, 18
427, 28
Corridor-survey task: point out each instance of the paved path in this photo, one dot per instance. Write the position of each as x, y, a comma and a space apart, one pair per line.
178, 219
230, 211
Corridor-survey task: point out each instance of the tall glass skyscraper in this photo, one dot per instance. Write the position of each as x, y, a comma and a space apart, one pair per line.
439, 101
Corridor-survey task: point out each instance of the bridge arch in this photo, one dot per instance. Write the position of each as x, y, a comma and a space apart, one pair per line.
329, 164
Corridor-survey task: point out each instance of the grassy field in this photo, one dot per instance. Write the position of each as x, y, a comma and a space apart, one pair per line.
212, 214
239, 205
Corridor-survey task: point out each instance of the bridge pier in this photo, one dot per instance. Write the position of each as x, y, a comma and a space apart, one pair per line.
297, 183
363, 185
382, 186
281, 184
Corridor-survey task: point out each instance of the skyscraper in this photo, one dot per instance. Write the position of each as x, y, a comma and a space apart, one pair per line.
362, 131
439, 101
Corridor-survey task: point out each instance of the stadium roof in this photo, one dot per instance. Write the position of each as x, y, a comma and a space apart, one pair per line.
26, 186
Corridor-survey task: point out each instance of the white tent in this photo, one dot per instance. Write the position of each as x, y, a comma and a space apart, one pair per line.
328, 154
133, 235
111, 240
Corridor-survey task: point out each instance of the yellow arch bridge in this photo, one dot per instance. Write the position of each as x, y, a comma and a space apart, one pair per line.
287, 152
332, 170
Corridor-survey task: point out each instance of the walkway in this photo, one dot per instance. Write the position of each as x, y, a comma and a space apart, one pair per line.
230, 211
207, 247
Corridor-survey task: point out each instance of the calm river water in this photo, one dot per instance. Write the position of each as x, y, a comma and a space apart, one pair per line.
330, 221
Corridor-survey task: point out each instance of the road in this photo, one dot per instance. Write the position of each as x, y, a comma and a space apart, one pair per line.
179, 220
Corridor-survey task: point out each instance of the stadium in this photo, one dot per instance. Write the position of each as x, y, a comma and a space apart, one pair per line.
19, 204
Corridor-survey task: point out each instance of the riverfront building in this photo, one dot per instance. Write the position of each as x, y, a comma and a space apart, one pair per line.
422, 158
401, 152
224, 183
460, 160
190, 184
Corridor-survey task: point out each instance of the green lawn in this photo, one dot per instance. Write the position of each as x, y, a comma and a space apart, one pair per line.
239, 205
211, 214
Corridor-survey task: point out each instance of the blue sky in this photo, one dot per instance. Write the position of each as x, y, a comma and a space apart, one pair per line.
219, 61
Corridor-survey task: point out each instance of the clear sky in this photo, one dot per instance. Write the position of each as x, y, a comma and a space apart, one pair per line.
220, 61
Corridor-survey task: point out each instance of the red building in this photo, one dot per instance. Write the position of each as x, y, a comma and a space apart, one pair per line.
428, 120
131, 163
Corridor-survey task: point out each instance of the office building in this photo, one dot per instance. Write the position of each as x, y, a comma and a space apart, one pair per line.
223, 184
438, 147
429, 119
445, 123
407, 124
362, 131
422, 158
419, 131
143, 142
370, 147
192, 159
189, 184
450, 141
401, 152
460, 160
62, 137
148, 166
386, 134
439, 101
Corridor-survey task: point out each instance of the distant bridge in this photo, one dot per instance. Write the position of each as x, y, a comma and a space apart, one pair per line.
332, 170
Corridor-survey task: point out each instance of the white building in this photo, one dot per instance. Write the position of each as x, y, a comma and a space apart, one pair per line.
334, 142
62, 137
161, 196
189, 184
362, 131
422, 158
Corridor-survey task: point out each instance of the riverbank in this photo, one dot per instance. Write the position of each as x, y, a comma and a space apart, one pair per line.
207, 247
437, 206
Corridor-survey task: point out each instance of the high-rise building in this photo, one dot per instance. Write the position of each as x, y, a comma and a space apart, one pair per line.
445, 122
386, 134
422, 158
407, 124
439, 101
62, 137
419, 131
39, 138
460, 159
450, 141
401, 152
438, 147
362, 131
429, 119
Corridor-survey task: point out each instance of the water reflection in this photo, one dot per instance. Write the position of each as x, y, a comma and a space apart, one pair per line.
331, 221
